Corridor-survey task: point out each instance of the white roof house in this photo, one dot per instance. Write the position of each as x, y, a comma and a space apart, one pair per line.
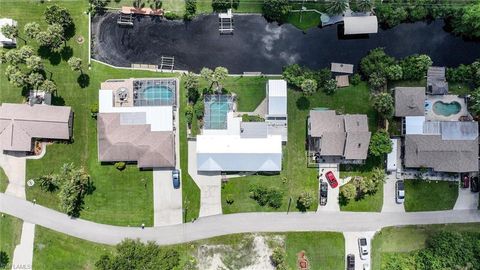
4, 41
360, 25
392, 157
233, 153
159, 117
277, 97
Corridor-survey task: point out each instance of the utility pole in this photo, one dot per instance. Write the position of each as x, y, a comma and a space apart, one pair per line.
289, 203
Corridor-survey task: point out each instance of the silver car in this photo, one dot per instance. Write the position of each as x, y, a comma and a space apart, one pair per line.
400, 191
363, 248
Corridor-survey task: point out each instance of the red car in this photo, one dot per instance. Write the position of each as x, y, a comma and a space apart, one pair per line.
331, 179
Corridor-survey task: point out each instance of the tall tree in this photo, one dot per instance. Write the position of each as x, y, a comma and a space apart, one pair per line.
9, 31
76, 184
35, 79
13, 57
364, 5
15, 76
380, 143
25, 52
75, 64
309, 86
35, 63
475, 102
32, 29
58, 15
383, 103
216, 76
276, 10
48, 86
336, 7
52, 37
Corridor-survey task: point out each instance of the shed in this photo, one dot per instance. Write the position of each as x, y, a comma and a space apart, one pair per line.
277, 97
341, 68
360, 25
342, 81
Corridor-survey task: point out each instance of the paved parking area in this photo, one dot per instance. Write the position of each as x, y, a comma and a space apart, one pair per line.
351, 247
167, 201
389, 203
332, 198
466, 199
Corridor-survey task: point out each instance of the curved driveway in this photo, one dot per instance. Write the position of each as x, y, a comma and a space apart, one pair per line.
227, 224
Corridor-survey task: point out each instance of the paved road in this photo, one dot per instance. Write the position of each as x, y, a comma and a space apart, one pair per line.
227, 224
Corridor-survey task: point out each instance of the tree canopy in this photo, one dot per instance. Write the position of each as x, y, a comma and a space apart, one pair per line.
383, 103
380, 143
276, 10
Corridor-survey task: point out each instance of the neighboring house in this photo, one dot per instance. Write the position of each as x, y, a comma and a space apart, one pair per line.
338, 138
4, 41
434, 138
436, 81
22, 124
135, 122
228, 144
276, 117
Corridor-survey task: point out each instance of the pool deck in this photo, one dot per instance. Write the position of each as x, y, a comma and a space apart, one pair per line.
431, 115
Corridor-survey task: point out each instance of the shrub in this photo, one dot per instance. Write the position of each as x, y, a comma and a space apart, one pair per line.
330, 86
278, 257
189, 114
394, 72
252, 118
190, 9
383, 104
380, 143
48, 183
275, 198
199, 108
305, 200
266, 196
376, 61
377, 81
356, 79
120, 165
3, 259
309, 86
293, 74
390, 15
348, 192
94, 110
222, 5
415, 66
171, 16
229, 199
276, 10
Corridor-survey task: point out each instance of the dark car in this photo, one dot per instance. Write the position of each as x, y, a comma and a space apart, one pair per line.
350, 262
323, 193
474, 184
331, 179
176, 179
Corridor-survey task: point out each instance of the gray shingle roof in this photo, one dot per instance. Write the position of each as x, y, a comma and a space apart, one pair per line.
436, 81
409, 101
340, 135
20, 123
134, 143
431, 151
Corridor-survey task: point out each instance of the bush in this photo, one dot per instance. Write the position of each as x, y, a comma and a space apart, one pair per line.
278, 257
415, 66
252, 118
348, 192
190, 9
380, 143
94, 110
48, 183
199, 108
120, 165
293, 74
356, 79
189, 114
4, 260
171, 16
276, 10
390, 15
330, 86
222, 5
266, 196
394, 72
377, 81
304, 201
376, 61
229, 199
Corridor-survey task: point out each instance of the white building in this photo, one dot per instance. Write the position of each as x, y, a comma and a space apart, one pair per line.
276, 117
357, 25
4, 41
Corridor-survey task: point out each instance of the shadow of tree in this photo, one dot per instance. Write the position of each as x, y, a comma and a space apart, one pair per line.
70, 31
303, 103
83, 80
66, 53
54, 57
57, 100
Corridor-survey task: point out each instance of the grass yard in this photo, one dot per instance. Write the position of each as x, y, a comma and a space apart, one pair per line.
405, 239
422, 195
120, 198
304, 20
370, 203
10, 233
3, 181
53, 250
298, 177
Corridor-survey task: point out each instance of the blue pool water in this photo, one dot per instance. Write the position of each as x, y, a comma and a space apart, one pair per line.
446, 109
161, 92
218, 115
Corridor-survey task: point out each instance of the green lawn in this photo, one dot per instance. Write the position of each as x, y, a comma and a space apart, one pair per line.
10, 232
370, 203
299, 177
3, 181
304, 20
53, 250
120, 198
405, 239
422, 195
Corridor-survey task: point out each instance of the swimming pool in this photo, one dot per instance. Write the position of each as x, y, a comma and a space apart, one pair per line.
154, 92
216, 110
446, 109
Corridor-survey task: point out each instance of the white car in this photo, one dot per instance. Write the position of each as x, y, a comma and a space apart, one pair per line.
363, 248
400, 191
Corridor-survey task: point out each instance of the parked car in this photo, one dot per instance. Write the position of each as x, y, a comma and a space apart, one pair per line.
350, 262
176, 179
363, 248
323, 193
466, 181
400, 191
474, 185
331, 179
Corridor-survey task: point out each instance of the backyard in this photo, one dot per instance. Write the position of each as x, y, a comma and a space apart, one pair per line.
295, 176
426, 195
400, 240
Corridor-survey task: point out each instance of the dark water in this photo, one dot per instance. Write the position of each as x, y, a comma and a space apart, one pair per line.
260, 46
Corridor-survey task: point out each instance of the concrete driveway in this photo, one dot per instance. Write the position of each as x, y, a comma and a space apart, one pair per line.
351, 247
209, 184
332, 198
167, 201
466, 199
389, 203
14, 165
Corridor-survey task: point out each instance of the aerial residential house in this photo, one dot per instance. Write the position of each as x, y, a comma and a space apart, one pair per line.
337, 138
4, 41
228, 144
135, 122
22, 124
439, 133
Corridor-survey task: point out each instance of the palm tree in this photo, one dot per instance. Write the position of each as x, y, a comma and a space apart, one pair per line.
337, 7
364, 5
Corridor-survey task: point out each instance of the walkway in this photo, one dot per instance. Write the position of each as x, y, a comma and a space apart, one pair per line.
227, 224
466, 199
210, 184
23, 254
